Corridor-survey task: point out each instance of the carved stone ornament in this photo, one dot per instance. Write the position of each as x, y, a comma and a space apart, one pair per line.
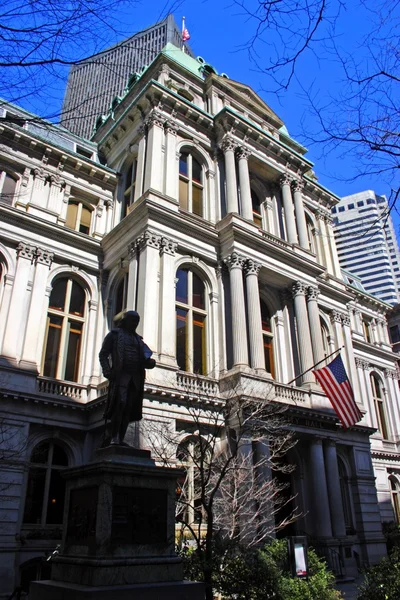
171, 127
149, 239
44, 257
297, 185
155, 118
336, 317
390, 374
25, 177
39, 173
285, 179
235, 261
346, 319
168, 246
312, 292
109, 203
362, 364
252, 267
243, 152
26, 251
227, 143
299, 289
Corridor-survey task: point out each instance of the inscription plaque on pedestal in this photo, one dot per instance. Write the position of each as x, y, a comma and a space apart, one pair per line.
139, 516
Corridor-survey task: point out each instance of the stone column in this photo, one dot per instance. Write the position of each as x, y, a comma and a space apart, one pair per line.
5, 305
321, 515
297, 187
315, 323
222, 362
299, 291
351, 363
244, 182
167, 341
336, 320
133, 269
362, 366
148, 288
141, 157
171, 171
54, 199
228, 146
288, 209
334, 257
43, 260
257, 360
16, 318
154, 155
90, 351
99, 225
334, 493
235, 264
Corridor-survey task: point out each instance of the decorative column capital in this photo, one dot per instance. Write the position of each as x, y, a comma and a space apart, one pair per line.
243, 152
155, 118
132, 251
227, 143
285, 179
312, 292
362, 364
297, 185
44, 257
235, 261
346, 319
167, 246
252, 267
391, 374
171, 127
299, 289
150, 239
336, 317
26, 251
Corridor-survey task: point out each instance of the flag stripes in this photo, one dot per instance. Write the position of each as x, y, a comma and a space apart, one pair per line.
337, 387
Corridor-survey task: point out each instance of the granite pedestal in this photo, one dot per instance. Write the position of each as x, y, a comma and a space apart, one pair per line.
119, 533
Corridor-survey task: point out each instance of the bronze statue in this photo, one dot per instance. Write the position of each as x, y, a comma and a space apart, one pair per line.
130, 356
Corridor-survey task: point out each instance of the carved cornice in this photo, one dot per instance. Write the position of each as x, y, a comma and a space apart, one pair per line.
252, 267
168, 246
235, 261
299, 289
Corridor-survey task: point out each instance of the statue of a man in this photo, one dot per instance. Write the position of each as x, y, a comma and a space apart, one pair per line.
124, 357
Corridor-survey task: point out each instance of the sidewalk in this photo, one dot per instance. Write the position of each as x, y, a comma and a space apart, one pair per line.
350, 589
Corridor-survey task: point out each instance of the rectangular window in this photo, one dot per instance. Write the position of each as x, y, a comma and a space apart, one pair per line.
199, 345
34, 496
73, 352
55, 506
183, 194
197, 200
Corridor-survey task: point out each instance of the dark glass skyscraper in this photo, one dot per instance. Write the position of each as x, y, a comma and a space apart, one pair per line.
93, 83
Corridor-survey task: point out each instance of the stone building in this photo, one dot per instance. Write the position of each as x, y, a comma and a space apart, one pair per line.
209, 220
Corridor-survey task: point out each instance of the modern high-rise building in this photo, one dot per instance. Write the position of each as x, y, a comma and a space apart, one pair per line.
95, 82
367, 245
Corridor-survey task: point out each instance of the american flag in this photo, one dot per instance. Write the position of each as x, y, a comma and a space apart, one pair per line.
334, 381
185, 35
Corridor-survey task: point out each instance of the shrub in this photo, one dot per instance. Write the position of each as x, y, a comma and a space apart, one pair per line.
382, 582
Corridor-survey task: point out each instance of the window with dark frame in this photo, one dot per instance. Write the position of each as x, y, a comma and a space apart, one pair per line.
191, 184
191, 319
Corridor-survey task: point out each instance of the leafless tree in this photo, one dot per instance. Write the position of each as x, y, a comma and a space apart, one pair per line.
359, 118
230, 452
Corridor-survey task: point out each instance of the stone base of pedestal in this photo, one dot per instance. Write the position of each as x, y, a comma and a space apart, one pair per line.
59, 590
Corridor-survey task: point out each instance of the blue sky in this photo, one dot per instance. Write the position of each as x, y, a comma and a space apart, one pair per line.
218, 31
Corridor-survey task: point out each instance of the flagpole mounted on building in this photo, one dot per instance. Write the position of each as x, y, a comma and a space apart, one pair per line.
313, 367
185, 36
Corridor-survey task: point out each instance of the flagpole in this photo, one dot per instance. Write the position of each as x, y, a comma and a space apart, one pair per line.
317, 363
183, 29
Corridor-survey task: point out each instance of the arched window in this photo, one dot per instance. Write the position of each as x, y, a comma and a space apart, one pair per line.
379, 403
326, 338
256, 204
193, 456
268, 339
65, 321
129, 184
311, 234
79, 216
191, 184
44, 504
8, 185
345, 493
395, 495
191, 319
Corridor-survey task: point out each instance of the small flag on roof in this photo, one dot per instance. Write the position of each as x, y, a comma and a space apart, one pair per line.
336, 385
